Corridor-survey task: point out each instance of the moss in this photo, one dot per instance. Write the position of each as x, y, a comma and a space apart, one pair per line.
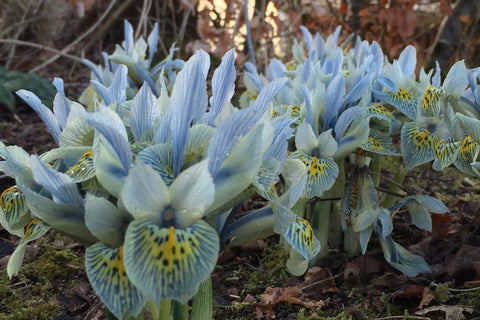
441, 293
32, 294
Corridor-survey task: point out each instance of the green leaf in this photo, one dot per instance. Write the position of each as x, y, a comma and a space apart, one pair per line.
11, 81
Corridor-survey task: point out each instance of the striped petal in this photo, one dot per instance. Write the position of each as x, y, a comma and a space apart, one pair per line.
418, 144
380, 143
84, 169
77, 133
321, 174
106, 272
432, 101
446, 152
15, 208
405, 100
378, 111
160, 158
169, 263
300, 236
467, 154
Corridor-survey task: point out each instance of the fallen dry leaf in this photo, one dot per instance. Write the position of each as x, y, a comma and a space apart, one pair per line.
362, 268
291, 295
451, 312
319, 279
413, 291
427, 298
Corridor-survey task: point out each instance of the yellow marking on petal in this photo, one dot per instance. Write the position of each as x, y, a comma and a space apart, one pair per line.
4, 194
291, 66
375, 144
437, 146
354, 195
316, 168
84, 168
468, 148
431, 100
295, 111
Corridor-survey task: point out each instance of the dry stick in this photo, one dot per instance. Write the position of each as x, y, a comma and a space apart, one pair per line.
41, 47
147, 4
104, 27
71, 45
183, 27
17, 34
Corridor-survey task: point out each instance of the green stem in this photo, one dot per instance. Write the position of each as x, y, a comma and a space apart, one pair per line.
180, 311
336, 214
375, 168
321, 224
165, 312
394, 188
202, 304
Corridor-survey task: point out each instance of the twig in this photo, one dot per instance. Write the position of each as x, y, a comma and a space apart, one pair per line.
320, 281
249, 33
147, 5
458, 290
41, 47
17, 34
402, 317
183, 27
105, 26
387, 191
71, 45
389, 180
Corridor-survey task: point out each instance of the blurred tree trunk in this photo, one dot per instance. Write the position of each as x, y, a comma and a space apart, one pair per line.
457, 36
355, 20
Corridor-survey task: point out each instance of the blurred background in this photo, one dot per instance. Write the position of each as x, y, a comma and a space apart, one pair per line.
50, 37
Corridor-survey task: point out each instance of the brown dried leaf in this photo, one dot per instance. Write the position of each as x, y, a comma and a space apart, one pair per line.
321, 279
389, 280
427, 298
413, 291
451, 312
362, 268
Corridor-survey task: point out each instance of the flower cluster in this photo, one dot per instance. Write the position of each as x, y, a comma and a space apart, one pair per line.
149, 169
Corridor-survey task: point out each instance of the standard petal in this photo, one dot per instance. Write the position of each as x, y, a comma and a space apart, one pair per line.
169, 263
144, 112
160, 158
43, 112
305, 138
223, 85
144, 193
106, 272
105, 220
62, 188
192, 192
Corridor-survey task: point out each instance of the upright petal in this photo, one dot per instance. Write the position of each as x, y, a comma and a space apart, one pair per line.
144, 193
